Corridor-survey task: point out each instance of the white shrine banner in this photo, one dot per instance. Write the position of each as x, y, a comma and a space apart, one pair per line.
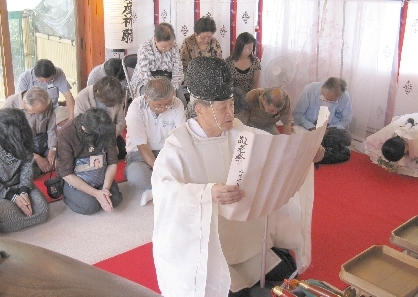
270, 169
407, 91
220, 11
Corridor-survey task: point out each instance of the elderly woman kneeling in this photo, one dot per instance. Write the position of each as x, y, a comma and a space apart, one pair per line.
81, 141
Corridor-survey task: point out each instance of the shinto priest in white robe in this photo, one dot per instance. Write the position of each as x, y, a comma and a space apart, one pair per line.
198, 253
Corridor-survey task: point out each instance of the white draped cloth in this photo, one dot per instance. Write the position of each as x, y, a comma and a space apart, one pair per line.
198, 253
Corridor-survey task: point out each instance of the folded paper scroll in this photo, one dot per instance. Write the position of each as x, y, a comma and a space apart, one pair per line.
270, 169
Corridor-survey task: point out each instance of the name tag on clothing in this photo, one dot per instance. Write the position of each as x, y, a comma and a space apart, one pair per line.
53, 93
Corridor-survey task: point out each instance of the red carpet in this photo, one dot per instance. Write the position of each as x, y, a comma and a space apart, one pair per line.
39, 181
357, 204
136, 265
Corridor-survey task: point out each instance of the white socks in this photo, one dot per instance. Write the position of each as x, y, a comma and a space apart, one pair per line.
146, 196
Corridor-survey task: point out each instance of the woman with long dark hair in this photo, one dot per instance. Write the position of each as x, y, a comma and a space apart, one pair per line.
90, 136
244, 65
21, 202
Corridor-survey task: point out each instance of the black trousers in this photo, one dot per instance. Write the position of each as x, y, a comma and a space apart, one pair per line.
121, 144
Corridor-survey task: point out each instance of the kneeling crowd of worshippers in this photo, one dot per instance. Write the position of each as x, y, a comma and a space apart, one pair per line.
188, 107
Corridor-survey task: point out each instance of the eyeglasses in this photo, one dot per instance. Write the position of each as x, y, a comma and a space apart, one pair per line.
163, 107
47, 80
164, 46
159, 107
168, 46
322, 97
330, 94
205, 37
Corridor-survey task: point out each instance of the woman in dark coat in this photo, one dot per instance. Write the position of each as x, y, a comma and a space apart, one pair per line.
21, 203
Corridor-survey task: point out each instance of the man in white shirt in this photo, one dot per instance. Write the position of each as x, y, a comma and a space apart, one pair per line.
149, 119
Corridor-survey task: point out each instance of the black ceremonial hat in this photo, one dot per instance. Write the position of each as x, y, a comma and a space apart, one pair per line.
209, 78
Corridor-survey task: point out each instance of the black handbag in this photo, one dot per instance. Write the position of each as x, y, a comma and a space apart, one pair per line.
54, 186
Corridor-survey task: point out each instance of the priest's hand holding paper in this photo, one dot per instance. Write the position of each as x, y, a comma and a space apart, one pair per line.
226, 194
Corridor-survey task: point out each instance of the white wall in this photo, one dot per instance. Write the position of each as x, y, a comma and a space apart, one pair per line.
143, 22
179, 13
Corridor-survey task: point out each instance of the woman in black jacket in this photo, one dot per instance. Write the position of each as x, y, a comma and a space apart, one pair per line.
21, 203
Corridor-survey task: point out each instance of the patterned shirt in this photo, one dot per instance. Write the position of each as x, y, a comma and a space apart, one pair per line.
190, 49
150, 59
15, 175
243, 79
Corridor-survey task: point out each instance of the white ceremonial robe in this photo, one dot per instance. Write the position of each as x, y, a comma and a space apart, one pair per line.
196, 253
408, 165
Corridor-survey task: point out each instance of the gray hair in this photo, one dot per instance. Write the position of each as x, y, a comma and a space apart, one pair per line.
190, 112
335, 85
158, 88
36, 95
164, 32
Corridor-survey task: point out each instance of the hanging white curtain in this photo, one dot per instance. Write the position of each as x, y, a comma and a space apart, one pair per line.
407, 92
372, 62
355, 40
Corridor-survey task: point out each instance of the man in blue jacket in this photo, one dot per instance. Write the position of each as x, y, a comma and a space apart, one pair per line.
333, 94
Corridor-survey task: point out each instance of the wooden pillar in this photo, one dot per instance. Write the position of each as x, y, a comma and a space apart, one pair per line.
6, 51
90, 41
